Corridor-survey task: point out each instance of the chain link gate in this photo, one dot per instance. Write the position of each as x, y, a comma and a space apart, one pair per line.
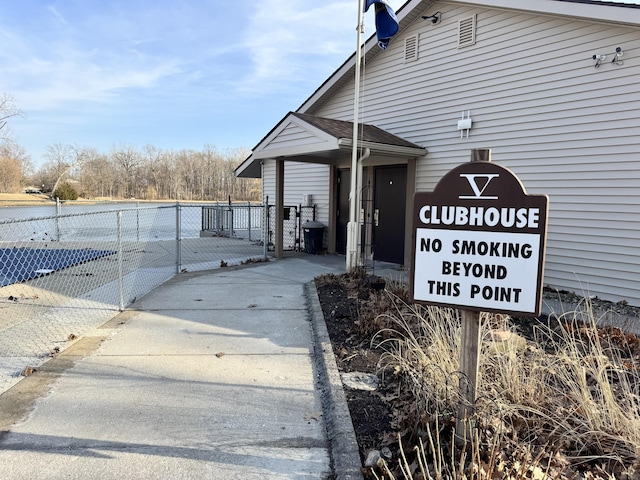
294, 218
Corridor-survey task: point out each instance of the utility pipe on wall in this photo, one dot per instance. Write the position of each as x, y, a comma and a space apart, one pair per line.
352, 226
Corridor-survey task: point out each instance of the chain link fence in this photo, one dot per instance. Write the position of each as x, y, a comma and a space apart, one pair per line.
71, 270
294, 218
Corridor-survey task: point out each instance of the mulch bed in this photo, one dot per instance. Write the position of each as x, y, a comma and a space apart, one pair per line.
370, 414
352, 305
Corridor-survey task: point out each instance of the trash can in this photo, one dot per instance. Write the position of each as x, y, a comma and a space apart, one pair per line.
313, 236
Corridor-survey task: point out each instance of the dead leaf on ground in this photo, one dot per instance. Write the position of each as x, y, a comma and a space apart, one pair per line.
313, 416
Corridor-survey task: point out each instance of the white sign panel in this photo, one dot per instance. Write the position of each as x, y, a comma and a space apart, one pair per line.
486, 270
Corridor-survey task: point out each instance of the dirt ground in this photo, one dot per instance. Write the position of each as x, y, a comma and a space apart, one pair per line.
350, 307
370, 415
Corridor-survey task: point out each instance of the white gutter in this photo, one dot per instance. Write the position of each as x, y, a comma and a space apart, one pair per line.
385, 149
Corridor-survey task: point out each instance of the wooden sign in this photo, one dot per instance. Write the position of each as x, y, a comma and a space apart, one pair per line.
479, 242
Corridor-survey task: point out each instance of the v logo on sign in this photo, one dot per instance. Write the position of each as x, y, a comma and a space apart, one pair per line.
479, 184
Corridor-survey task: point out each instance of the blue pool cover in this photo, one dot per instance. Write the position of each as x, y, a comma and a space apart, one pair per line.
20, 264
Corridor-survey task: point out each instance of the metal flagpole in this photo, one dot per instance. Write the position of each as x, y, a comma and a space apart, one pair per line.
353, 225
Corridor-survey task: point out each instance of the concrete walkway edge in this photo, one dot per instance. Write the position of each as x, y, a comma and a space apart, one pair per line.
343, 446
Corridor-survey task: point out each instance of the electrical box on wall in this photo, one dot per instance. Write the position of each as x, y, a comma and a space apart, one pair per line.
465, 123
307, 200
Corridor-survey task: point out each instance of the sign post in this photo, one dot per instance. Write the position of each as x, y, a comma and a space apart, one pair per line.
479, 245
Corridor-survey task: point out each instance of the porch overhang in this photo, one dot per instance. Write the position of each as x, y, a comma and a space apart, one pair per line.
307, 138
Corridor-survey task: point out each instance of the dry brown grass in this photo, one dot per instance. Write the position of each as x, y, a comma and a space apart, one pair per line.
22, 199
564, 405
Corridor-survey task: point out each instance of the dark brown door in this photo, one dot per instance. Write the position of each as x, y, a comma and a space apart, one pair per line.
344, 187
389, 213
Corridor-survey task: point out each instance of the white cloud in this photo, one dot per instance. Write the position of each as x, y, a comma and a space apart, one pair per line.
51, 68
291, 41
287, 39
73, 75
56, 14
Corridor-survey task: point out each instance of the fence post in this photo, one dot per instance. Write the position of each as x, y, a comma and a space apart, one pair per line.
120, 264
58, 212
299, 235
178, 239
265, 226
249, 219
137, 221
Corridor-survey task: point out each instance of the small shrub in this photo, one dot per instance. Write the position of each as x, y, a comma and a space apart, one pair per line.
66, 192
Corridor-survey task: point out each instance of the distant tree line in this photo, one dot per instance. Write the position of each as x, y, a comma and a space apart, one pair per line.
149, 173
124, 172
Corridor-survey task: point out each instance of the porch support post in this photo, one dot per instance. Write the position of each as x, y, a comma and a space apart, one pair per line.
279, 248
333, 220
412, 164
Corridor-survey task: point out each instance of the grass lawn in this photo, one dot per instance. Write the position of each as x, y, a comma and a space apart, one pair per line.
11, 199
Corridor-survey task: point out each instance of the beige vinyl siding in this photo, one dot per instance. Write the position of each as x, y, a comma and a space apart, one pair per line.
292, 136
300, 179
565, 128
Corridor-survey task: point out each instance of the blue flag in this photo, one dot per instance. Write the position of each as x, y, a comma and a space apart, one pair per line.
386, 21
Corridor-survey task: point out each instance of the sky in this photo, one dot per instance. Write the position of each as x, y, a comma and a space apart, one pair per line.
170, 74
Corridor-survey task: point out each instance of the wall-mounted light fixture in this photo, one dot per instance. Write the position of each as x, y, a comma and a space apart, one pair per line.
599, 59
617, 57
435, 18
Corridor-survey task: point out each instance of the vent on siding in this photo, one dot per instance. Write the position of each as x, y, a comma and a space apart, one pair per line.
467, 32
411, 49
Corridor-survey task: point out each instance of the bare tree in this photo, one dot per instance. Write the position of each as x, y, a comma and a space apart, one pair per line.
63, 158
127, 159
8, 110
11, 177
15, 165
97, 175
151, 165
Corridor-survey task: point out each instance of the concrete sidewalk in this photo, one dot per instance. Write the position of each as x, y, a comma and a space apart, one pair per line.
217, 375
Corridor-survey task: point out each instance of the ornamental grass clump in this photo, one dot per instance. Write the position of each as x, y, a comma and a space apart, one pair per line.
564, 403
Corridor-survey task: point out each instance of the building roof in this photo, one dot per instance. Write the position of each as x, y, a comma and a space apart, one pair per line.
323, 140
344, 130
